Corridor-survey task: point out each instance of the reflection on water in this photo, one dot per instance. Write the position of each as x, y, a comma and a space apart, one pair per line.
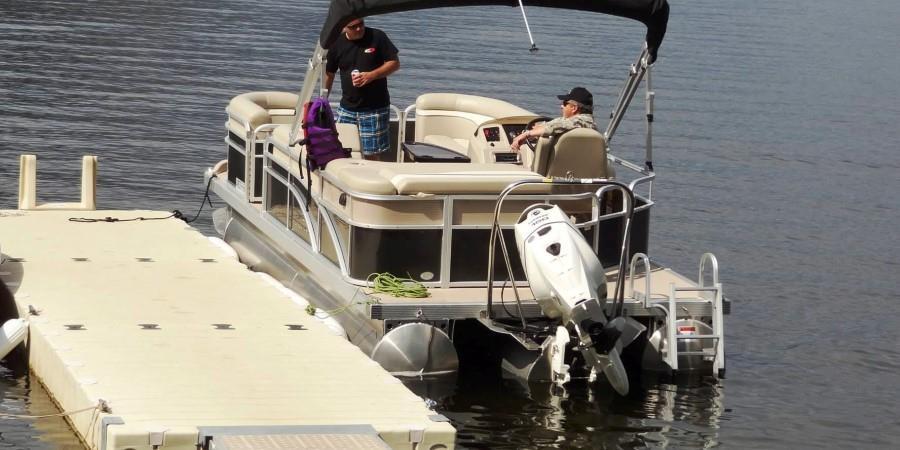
492, 412
24, 397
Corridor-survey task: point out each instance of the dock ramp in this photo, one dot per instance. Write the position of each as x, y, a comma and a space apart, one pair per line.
341, 437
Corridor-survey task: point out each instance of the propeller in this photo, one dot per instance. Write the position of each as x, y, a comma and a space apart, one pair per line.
602, 341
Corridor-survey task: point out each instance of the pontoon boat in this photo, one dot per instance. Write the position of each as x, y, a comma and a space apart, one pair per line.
547, 247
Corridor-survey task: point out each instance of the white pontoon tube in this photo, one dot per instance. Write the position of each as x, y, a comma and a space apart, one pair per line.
12, 333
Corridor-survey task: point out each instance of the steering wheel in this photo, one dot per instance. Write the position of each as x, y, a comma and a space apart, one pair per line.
531, 142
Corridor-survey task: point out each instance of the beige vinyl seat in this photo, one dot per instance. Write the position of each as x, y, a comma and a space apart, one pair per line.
578, 153
391, 178
348, 135
251, 118
451, 120
248, 111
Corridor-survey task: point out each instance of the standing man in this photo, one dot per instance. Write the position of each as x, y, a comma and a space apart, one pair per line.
577, 112
365, 57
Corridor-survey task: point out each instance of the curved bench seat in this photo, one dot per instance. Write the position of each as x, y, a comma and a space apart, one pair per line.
252, 109
391, 178
386, 178
489, 108
348, 135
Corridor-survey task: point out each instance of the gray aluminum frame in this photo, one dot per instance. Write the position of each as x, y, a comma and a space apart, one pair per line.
447, 227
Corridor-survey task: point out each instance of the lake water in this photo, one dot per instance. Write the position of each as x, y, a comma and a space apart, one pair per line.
776, 147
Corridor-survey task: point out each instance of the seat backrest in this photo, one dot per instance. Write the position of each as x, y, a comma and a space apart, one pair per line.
253, 109
541, 155
578, 153
459, 115
348, 134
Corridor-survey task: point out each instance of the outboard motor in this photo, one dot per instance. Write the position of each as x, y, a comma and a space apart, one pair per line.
569, 283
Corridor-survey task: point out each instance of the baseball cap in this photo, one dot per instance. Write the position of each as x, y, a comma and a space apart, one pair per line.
580, 95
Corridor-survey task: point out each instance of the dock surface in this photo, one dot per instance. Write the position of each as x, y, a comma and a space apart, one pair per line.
162, 337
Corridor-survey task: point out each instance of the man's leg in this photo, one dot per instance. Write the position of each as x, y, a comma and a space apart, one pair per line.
374, 133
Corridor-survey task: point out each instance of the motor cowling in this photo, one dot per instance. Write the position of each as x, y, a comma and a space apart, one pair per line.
562, 269
569, 283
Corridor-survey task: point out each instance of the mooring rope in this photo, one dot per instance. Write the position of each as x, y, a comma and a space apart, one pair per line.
387, 283
101, 405
175, 213
380, 283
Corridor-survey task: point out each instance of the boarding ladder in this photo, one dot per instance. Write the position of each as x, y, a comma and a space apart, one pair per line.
671, 304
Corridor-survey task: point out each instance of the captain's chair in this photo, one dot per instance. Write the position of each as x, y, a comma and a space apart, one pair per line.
577, 153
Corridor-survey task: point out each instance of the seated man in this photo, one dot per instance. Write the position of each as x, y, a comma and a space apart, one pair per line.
577, 109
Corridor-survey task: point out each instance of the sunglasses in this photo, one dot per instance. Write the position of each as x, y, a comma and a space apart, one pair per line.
355, 26
564, 104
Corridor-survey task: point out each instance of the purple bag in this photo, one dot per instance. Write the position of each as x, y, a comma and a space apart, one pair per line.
321, 141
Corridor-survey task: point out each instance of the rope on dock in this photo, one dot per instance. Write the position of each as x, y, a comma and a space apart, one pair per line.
100, 406
175, 213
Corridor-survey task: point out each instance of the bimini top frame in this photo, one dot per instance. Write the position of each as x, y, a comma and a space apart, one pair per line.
652, 13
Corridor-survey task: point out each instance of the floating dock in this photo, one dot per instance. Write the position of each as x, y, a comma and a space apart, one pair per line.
162, 339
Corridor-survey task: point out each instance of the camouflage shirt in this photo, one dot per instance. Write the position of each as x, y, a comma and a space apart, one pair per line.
561, 124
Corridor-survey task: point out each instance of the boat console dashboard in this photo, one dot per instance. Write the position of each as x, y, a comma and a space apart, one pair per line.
482, 128
495, 138
510, 131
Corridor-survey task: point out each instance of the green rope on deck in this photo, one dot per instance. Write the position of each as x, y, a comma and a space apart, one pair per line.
380, 283
398, 287
311, 309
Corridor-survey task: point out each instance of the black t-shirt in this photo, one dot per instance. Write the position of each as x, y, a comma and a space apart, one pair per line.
364, 54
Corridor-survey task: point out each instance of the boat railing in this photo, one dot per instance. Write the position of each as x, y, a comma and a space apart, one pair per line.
643, 297
297, 194
257, 158
260, 163
448, 227
644, 176
497, 236
244, 141
708, 258
672, 303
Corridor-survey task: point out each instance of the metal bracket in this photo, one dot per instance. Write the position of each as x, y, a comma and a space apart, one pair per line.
104, 424
520, 337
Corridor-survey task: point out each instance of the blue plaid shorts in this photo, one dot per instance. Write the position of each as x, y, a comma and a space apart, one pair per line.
373, 127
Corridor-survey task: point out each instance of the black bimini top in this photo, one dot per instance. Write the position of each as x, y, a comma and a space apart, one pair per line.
652, 13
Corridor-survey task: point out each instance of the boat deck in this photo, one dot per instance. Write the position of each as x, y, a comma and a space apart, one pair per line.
466, 303
173, 339
458, 303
